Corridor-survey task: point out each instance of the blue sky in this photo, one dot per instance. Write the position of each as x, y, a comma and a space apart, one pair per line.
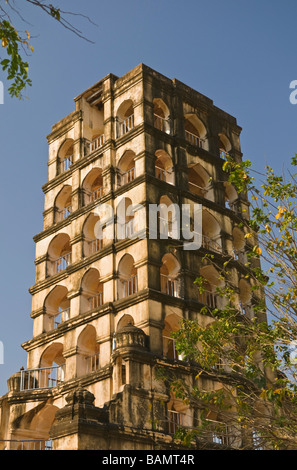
242, 54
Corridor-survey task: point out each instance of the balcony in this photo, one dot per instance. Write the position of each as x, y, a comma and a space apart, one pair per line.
42, 378
169, 285
93, 363
162, 124
169, 349
95, 245
218, 433
127, 177
97, 143
61, 263
128, 286
58, 318
194, 139
125, 126
96, 301
66, 164
174, 421
210, 244
63, 213
96, 194
208, 298
25, 444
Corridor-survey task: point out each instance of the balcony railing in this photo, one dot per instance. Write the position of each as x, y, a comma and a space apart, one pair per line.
164, 175
58, 318
25, 444
218, 432
196, 189
169, 286
95, 245
129, 228
96, 301
96, 194
210, 244
162, 124
129, 286
44, 377
127, 177
208, 298
97, 143
125, 126
93, 363
174, 421
169, 349
61, 263
66, 164
63, 213
194, 139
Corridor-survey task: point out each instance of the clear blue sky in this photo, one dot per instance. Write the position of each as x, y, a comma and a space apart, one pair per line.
242, 54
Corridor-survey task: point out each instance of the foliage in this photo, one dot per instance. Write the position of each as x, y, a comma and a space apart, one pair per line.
16, 43
247, 354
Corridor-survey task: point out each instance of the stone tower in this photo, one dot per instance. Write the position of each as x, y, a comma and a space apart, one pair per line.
104, 307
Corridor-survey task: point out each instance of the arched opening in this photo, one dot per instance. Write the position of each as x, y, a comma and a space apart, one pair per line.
245, 297
125, 118
92, 186
224, 146
161, 115
208, 295
57, 308
125, 219
199, 180
127, 277
231, 197
93, 239
211, 233
88, 359
91, 291
63, 204
58, 254
176, 414
171, 325
164, 167
238, 244
65, 156
52, 366
169, 273
195, 131
168, 219
126, 168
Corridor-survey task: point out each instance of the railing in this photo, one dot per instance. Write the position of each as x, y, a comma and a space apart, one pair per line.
223, 154
208, 298
26, 444
59, 317
93, 363
61, 263
174, 421
97, 143
127, 177
66, 163
194, 139
162, 124
129, 286
45, 377
129, 228
169, 349
96, 301
95, 245
196, 189
210, 244
168, 285
125, 126
96, 194
218, 432
63, 213
166, 227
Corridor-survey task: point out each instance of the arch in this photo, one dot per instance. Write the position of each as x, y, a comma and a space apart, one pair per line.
65, 156
168, 218
169, 273
230, 193
125, 117
199, 180
245, 292
161, 115
57, 307
93, 239
53, 354
213, 280
91, 291
195, 130
124, 321
126, 168
164, 166
92, 186
88, 359
224, 145
127, 277
238, 239
58, 254
63, 203
52, 366
211, 232
125, 219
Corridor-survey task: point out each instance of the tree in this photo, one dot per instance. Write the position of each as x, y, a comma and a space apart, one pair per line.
248, 351
17, 45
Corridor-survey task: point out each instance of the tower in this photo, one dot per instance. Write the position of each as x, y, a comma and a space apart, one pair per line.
104, 307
